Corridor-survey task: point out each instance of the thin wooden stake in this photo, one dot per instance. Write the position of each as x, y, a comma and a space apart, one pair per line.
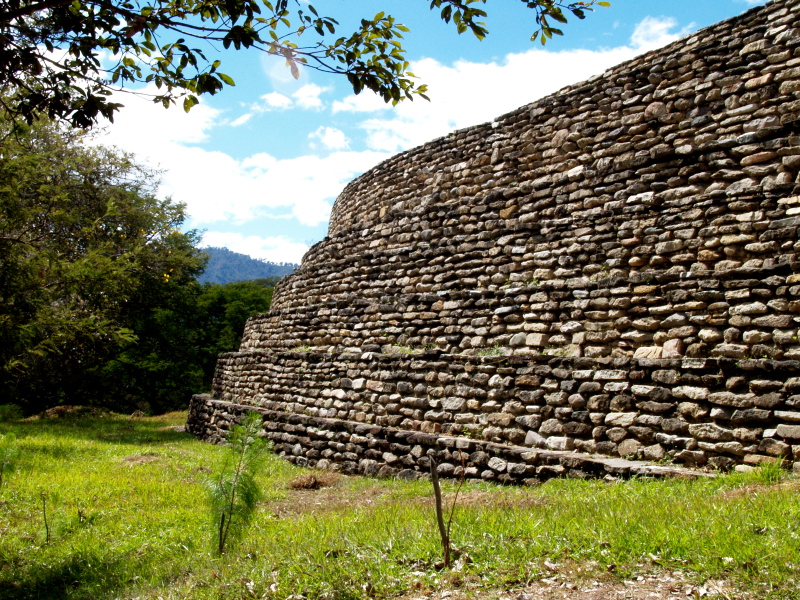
221, 538
437, 492
44, 513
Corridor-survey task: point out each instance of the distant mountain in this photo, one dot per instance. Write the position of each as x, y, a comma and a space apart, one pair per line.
225, 266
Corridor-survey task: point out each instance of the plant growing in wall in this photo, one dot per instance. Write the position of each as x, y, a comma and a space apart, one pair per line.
234, 493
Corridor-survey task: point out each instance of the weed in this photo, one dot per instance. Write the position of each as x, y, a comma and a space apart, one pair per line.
495, 350
770, 472
10, 412
234, 492
302, 348
444, 530
473, 434
400, 350
8, 454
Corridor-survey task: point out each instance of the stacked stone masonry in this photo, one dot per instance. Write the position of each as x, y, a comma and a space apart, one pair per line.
613, 269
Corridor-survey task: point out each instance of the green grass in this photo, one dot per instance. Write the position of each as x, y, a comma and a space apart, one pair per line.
129, 519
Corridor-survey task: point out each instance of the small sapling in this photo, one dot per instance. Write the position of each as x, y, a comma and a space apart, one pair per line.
234, 492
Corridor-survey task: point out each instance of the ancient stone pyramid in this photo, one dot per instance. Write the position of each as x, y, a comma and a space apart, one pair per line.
611, 270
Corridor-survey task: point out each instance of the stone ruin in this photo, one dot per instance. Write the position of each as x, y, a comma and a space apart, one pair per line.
608, 273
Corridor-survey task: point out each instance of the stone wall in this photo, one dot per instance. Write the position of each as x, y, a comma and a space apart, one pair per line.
695, 411
356, 448
612, 269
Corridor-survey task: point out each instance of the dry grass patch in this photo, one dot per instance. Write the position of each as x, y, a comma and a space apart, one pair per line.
140, 459
314, 481
324, 493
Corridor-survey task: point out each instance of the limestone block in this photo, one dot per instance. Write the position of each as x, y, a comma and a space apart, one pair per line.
620, 419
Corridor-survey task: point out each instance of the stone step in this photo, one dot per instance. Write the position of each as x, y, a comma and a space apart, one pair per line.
358, 448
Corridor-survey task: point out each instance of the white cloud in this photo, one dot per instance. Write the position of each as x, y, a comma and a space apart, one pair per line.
308, 96
141, 122
241, 120
274, 249
330, 138
364, 102
273, 100
655, 32
468, 93
217, 187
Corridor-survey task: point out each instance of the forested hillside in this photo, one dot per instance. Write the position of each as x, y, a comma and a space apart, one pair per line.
226, 266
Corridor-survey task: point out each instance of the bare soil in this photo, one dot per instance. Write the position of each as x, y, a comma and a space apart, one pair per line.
575, 583
68, 411
139, 459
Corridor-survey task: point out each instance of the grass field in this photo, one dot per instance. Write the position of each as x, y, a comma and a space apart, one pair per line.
128, 518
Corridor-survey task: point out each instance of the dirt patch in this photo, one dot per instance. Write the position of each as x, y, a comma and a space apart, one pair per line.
175, 428
338, 496
493, 499
761, 488
139, 459
314, 481
572, 585
327, 492
68, 411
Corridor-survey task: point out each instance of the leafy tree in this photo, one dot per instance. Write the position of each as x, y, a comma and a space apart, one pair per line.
83, 243
180, 329
50, 49
99, 300
223, 311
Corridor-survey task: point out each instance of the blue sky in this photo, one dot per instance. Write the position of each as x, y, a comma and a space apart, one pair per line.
260, 164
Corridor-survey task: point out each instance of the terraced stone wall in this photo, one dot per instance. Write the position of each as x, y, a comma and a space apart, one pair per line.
612, 269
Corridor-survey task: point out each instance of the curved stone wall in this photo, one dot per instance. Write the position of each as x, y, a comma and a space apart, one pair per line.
687, 101
612, 269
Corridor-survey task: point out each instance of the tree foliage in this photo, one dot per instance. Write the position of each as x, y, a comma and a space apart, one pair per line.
180, 332
63, 59
99, 300
81, 237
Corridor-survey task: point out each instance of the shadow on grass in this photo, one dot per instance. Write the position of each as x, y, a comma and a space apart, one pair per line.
113, 429
77, 578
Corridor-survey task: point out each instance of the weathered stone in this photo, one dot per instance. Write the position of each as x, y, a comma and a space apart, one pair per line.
629, 447
620, 419
497, 464
789, 431
709, 431
560, 443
